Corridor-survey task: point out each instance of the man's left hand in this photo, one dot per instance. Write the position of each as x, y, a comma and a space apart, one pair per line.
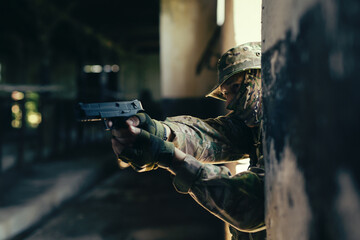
147, 152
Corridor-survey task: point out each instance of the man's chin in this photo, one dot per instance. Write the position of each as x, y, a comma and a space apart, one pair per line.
227, 103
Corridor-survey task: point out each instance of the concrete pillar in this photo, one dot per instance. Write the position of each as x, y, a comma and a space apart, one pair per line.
185, 29
228, 31
311, 51
242, 24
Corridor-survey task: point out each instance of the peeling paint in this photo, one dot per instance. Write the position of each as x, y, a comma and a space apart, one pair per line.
287, 18
277, 62
347, 205
288, 212
310, 71
273, 60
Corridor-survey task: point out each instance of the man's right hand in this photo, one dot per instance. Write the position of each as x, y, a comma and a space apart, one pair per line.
125, 137
154, 127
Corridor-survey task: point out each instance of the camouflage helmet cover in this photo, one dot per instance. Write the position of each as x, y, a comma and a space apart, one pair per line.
238, 59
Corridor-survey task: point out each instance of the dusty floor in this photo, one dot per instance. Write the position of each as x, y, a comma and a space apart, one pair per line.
132, 206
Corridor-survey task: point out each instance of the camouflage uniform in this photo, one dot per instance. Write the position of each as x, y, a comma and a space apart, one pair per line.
239, 199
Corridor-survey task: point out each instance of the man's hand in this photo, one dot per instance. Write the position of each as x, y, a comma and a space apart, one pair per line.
147, 152
141, 120
150, 125
126, 136
142, 144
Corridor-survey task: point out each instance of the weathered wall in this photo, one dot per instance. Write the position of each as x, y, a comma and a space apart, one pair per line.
311, 95
186, 28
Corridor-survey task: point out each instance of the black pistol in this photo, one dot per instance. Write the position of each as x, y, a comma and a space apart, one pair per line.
117, 112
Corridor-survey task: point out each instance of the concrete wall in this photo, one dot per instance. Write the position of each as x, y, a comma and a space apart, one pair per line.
139, 73
185, 30
227, 38
311, 95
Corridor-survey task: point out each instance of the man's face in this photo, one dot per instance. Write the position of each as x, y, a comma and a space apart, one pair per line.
231, 87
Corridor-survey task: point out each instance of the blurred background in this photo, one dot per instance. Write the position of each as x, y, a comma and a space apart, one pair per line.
54, 54
59, 179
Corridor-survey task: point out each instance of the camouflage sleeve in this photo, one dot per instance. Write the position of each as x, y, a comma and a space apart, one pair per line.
219, 140
238, 199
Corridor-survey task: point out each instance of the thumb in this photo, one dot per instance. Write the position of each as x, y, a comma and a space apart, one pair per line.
134, 130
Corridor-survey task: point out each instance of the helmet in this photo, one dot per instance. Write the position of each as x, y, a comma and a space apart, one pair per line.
238, 59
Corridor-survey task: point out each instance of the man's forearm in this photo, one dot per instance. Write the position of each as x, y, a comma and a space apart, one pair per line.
177, 161
225, 196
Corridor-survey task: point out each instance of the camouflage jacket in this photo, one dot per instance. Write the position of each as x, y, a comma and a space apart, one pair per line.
237, 200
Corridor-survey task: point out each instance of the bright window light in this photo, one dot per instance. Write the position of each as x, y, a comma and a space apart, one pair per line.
15, 109
115, 68
247, 21
34, 119
87, 68
107, 68
17, 96
16, 115
33, 116
16, 123
99, 68
220, 12
96, 68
